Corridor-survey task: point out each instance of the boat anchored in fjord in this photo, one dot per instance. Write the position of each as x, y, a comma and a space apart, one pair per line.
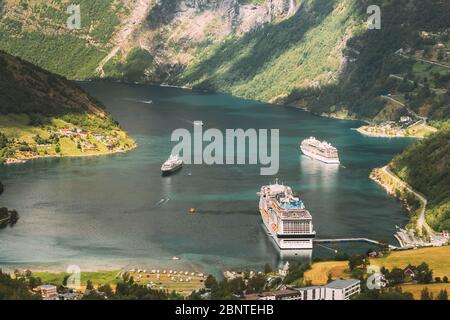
320, 150
174, 163
286, 218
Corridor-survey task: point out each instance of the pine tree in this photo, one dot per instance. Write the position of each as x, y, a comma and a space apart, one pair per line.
89, 285
443, 295
426, 294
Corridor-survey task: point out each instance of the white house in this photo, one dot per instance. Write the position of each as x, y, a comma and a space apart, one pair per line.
342, 289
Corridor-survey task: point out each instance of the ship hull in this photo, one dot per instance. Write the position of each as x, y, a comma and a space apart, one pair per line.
286, 243
171, 170
319, 157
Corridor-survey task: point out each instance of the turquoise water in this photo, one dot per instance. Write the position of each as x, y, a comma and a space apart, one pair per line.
108, 211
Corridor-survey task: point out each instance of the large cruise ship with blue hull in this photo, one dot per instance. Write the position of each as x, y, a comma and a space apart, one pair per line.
286, 218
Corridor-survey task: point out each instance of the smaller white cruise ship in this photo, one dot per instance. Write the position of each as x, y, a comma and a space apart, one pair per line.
172, 164
320, 150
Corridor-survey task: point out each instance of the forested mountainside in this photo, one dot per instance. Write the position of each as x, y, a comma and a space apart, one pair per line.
316, 54
29, 89
37, 32
43, 114
405, 60
426, 166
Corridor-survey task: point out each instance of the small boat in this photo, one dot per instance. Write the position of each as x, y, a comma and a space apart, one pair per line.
174, 163
175, 258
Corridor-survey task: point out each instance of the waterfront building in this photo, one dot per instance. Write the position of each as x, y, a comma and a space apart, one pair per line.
341, 289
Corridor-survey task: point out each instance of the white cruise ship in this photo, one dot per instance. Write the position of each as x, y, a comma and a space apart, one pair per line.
322, 151
172, 164
286, 218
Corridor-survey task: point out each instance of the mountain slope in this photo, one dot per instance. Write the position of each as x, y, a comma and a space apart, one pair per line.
29, 89
267, 64
37, 32
315, 54
426, 166
42, 114
374, 68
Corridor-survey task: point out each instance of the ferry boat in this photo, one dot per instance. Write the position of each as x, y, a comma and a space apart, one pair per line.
174, 163
286, 218
320, 150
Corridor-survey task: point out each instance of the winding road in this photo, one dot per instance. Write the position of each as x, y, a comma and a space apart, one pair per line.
421, 220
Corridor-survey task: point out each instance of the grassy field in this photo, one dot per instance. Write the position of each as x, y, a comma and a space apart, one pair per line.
434, 288
165, 282
113, 277
426, 70
16, 126
97, 278
437, 258
318, 274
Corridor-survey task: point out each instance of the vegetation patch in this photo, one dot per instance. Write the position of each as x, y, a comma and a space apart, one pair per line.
425, 166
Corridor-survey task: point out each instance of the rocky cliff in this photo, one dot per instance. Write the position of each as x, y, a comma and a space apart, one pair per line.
175, 32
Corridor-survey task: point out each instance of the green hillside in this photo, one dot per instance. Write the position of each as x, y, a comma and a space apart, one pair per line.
373, 60
426, 166
42, 114
37, 32
270, 63
323, 58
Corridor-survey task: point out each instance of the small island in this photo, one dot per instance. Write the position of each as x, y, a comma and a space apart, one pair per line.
7, 217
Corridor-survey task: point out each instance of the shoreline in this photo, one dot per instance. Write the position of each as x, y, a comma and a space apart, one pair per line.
374, 132
363, 131
397, 185
101, 154
378, 176
92, 267
165, 85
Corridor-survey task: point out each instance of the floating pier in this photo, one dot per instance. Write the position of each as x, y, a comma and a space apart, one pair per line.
366, 240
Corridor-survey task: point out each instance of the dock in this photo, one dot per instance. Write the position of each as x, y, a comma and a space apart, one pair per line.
366, 240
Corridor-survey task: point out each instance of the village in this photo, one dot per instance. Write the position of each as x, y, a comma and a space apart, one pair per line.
185, 283
405, 126
416, 273
81, 139
67, 141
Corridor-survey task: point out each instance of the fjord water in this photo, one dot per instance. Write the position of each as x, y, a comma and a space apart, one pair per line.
118, 211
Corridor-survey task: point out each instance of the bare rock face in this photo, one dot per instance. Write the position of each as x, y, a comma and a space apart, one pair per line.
175, 28
238, 17
253, 16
